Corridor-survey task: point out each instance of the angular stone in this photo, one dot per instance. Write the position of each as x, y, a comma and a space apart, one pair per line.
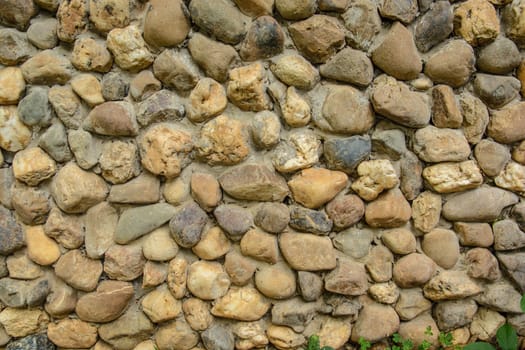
205, 189
446, 112
375, 322
12, 236
308, 220
426, 211
306, 252
72, 19
62, 299
76, 190
246, 88
23, 294
101, 222
119, 161
390, 209
404, 12
14, 135
450, 285
213, 244
115, 86
507, 235
43, 33
143, 85
235, 220
434, 26
296, 71
161, 14
505, 124
15, 47
264, 39
212, 56
399, 241
491, 157
129, 48
452, 64
35, 341
299, 151
316, 186
108, 14
33, 166
433, 144
482, 264
176, 69
453, 177
413, 270
34, 108
128, 330
223, 141
207, 100
348, 278
260, 245
375, 176
124, 262
499, 57
362, 22
91, 55
336, 117
483, 204
354, 242
187, 223
389, 142
136, 222
397, 54
475, 117
243, 304
480, 28
317, 38
253, 182
349, 66
296, 111
390, 98
496, 91
112, 119
67, 106
31, 205
411, 303
474, 234
345, 154
144, 189
23, 322
160, 305
513, 264
79, 271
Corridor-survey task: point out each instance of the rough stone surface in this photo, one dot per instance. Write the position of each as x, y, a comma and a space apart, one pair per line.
452, 64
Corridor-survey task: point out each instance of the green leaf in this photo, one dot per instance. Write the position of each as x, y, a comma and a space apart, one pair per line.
313, 342
507, 337
396, 338
445, 339
327, 348
522, 303
425, 345
479, 346
428, 331
364, 344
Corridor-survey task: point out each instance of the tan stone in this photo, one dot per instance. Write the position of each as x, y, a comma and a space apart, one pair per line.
485, 324
452, 64
384, 293
246, 88
474, 234
165, 150
22, 322
128, 330
379, 263
413, 270
91, 55
177, 275
176, 335
295, 109
255, 8
20, 266
159, 246
124, 262
482, 264
76, 190
62, 299
276, 281
223, 141
12, 85
477, 22
162, 14
33, 166
14, 135
107, 303
296, 71
446, 112
442, 246
433, 144
250, 335
72, 19
154, 274
491, 156
197, 314
108, 14
239, 268
260, 245
129, 48
449, 285
206, 190
40, 248
316, 186
375, 176
390, 209
375, 322
411, 303
426, 211
284, 338
306, 252
207, 280
241, 303
506, 124
512, 178
160, 305
348, 278
207, 100
79, 271
143, 85
399, 241
475, 117
88, 88
47, 68
213, 244
299, 151
453, 177
71, 333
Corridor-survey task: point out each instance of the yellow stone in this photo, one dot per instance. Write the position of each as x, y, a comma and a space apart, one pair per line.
40, 248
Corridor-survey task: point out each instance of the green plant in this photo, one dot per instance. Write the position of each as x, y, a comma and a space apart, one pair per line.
314, 344
506, 336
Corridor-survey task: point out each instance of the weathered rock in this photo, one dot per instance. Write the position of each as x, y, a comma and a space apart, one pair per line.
485, 324
375, 322
450, 285
71, 333
35, 341
362, 22
346, 154
17, 13
480, 28
348, 278
14, 135
390, 209
501, 296
124, 262
23, 322
299, 151
129, 48
496, 91
416, 330
505, 124
475, 117
207, 100
12, 236
482, 264
296, 71
33, 166
260, 245
12, 85
114, 86
413, 270
308, 220
375, 176
176, 69
390, 98
235, 220
426, 211
101, 221
112, 118
128, 330
79, 271
119, 161
160, 305
143, 85
265, 129
34, 108
67, 106
404, 12
295, 313
107, 303
15, 47
499, 57
397, 54
453, 177
512, 263
47, 68
399, 241
452, 64
239, 268
54, 142
411, 303
72, 16
23, 294
446, 112
207, 280
345, 210
316, 186
491, 157
354, 242
483, 204
306, 252
91, 55
43, 33
159, 246
62, 299
31, 205
349, 66
434, 26
474, 234
390, 142
187, 223
166, 13
264, 39
272, 217
244, 304
434, 145
507, 235
19, 266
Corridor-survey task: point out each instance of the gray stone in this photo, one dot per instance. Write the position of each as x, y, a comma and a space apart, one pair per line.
34, 108
187, 223
375, 322
14, 13
475, 117
310, 285
434, 26
362, 22
346, 153
348, 278
349, 66
499, 57
67, 106
491, 156
85, 148
507, 235
128, 330
452, 64
31, 204
496, 91
411, 179
354, 242
500, 296
514, 264
483, 204
272, 217
136, 222
389, 142
454, 313
14, 47
54, 142
43, 33
218, 337
404, 11
308, 220
144, 189
234, 219
7, 179
32, 342
264, 39
20, 293
160, 107
114, 86
175, 68
411, 303
295, 313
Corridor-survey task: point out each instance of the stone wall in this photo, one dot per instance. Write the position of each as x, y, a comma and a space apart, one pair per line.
242, 174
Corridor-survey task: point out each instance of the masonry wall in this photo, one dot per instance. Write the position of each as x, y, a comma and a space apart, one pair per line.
244, 174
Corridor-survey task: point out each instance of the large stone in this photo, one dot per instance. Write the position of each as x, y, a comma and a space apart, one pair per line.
113, 119
483, 204
255, 8
234, 219
307, 252
239, 268
17, 13
71, 333
101, 221
23, 322
128, 330
15, 47
442, 246
451, 285
207, 280
345, 154
12, 85
514, 23
212, 56
513, 264
453, 177
47, 68
246, 88
411, 303
362, 22
434, 145
159, 246
501, 296
119, 161
79, 271
207, 100
348, 278
295, 313
308, 220
477, 22
505, 124
434, 26
14, 135
34, 108
317, 37
265, 129
31, 205
316, 186
54, 142
296, 71
176, 69
482, 264
417, 330
33, 166
163, 13
23, 294
76, 190
354, 242
205, 189
507, 235
452, 64
35, 341
40, 248
108, 14
241, 303
413, 270
390, 209
124, 262
474, 234
299, 151
136, 222
375, 322
107, 303
394, 100
496, 91
349, 66
187, 224
129, 48
397, 55
67, 106
264, 39
400, 241
72, 16
499, 57
345, 210
213, 244
176, 335
253, 182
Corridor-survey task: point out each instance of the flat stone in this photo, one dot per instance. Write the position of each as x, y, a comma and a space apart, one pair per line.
451, 64
453, 177
91, 55
482, 28
450, 285
15, 47
112, 119
397, 54
207, 100
375, 322
349, 66
144, 189
317, 38
413, 270
434, 26
79, 271
128, 330
295, 313
298, 151
23, 322
136, 222
213, 244
234, 219
101, 222
43, 33
76, 190
433, 144
243, 304
19, 266
375, 176
362, 22
306, 252
23, 294
119, 161
390, 209
264, 39
496, 91
212, 56
129, 48
253, 182
62, 299
345, 154
14, 135
475, 117
316, 186
379, 266
160, 305
187, 223
505, 124
390, 99
176, 69
295, 70
499, 57
124, 262
483, 204
400, 241
446, 112
163, 13
426, 211
260, 246
491, 156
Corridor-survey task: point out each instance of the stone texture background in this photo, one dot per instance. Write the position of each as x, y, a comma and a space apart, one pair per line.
243, 174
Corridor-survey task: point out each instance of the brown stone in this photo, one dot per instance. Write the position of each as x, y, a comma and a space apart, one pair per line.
413, 270
143, 85
246, 88
129, 48
176, 335
451, 284
72, 18
375, 176
442, 246
33, 166
71, 333
88, 88
176, 69
207, 280
474, 234
177, 274
390, 209
47, 68
316, 186
79, 271
475, 117
241, 303
112, 118
375, 322
482, 264
23, 322
452, 64
306, 252
446, 112
260, 245
505, 125
477, 22
14, 135
160, 305
348, 278
107, 303
91, 55
264, 39
345, 210
31, 205
399, 241
124, 262
207, 100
